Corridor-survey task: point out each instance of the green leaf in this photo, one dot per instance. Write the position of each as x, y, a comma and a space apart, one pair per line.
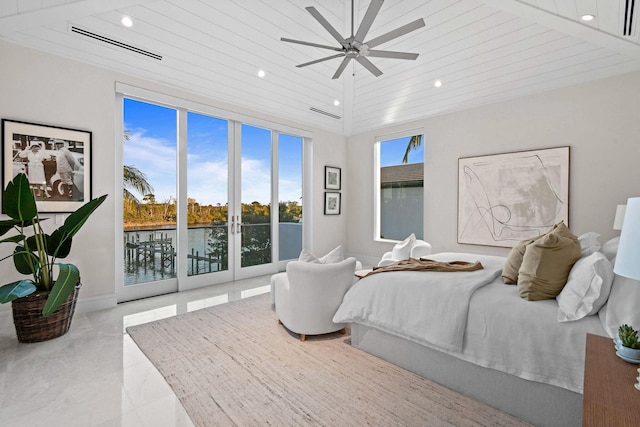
13, 239
60, 245
68, 278
25, 261
14, 290
18, 201
60, 241
77, 219
7, 225
32, 244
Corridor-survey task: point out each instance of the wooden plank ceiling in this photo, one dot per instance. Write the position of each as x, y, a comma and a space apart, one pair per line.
483, 51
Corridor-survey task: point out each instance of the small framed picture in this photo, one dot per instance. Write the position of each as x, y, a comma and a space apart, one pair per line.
56, 160
331, 178
331, 203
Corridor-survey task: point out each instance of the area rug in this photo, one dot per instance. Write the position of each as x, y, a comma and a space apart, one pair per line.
233, 365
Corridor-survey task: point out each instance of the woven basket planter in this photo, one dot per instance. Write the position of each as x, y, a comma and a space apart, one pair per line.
31, 326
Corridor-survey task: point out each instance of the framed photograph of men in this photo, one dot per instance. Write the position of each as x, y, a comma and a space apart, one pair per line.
56, 160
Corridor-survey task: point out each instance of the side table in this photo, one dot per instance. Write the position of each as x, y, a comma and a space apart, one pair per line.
610, 398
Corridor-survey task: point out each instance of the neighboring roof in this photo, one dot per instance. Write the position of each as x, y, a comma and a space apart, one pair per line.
402, 173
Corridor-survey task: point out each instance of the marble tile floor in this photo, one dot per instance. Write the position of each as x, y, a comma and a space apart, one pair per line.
95, 375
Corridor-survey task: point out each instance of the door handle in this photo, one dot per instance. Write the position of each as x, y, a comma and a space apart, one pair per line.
236, 226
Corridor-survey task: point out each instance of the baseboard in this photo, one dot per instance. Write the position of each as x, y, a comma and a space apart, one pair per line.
103, 302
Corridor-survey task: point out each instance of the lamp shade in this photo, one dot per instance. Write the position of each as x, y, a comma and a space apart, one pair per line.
619, 219
628, 257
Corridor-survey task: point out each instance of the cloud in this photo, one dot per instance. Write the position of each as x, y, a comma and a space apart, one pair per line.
256, 181
207, 173
207, 181
156, 158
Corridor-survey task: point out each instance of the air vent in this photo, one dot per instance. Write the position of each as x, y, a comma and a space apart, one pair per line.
628, 16
113, 42
326, 113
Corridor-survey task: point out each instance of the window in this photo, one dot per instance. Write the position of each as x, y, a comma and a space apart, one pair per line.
400, 177
200, 185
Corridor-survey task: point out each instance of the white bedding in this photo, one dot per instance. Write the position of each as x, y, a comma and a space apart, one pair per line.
498, 330
375, 300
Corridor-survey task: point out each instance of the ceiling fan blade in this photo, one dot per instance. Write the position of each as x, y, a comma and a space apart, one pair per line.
341, 67
320, 60
369, 66
367, 21
323, 46
336, 35
400, 31
391, 54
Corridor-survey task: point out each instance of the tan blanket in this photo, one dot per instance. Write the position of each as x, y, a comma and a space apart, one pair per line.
425, 264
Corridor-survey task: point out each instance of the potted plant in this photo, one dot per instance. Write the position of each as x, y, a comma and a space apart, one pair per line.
629, 346
42, 305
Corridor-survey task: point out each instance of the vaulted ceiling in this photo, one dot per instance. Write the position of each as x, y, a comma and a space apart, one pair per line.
483, 51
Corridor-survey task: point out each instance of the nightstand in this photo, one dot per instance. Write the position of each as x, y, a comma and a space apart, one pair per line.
610, 398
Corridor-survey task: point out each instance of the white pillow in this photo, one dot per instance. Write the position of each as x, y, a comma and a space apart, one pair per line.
336, 255
589, 243
622, 306
610, 249
587, 288
402, 250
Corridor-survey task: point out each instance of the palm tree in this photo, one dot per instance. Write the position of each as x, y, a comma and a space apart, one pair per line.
414, 143
134, 179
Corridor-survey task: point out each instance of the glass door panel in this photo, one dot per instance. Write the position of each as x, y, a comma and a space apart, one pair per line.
212, 222
289, 196
255, 196
149, 208
207, 194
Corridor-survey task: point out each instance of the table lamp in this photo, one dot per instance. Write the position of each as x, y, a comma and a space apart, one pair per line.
628, 257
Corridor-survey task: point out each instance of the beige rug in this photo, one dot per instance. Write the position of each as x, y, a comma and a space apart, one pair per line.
234, 365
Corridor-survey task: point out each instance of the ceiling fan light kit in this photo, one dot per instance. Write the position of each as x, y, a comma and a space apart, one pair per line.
354, 47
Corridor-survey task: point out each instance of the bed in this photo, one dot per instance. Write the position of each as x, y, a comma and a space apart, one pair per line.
480, 338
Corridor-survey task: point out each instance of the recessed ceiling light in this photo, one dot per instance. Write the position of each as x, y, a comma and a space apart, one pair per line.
127, 21
336, 102
588, 17
261, 73
437, 83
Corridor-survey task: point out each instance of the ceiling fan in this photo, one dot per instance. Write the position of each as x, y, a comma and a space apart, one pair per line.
355, 47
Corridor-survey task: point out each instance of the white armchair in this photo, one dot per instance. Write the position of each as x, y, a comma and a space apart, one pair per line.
419, 249
308, 295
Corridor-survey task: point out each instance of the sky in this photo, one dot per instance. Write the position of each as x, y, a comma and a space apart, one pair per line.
152, 149
392, 152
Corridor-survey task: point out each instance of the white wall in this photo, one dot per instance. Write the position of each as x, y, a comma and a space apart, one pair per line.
600, 121
46, 89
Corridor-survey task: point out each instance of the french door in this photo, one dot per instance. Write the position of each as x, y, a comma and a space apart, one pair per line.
224, 200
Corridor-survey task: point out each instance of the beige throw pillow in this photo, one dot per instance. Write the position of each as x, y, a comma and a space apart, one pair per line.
514, 259
546, 264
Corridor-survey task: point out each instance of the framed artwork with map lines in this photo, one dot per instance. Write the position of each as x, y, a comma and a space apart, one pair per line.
506, 198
